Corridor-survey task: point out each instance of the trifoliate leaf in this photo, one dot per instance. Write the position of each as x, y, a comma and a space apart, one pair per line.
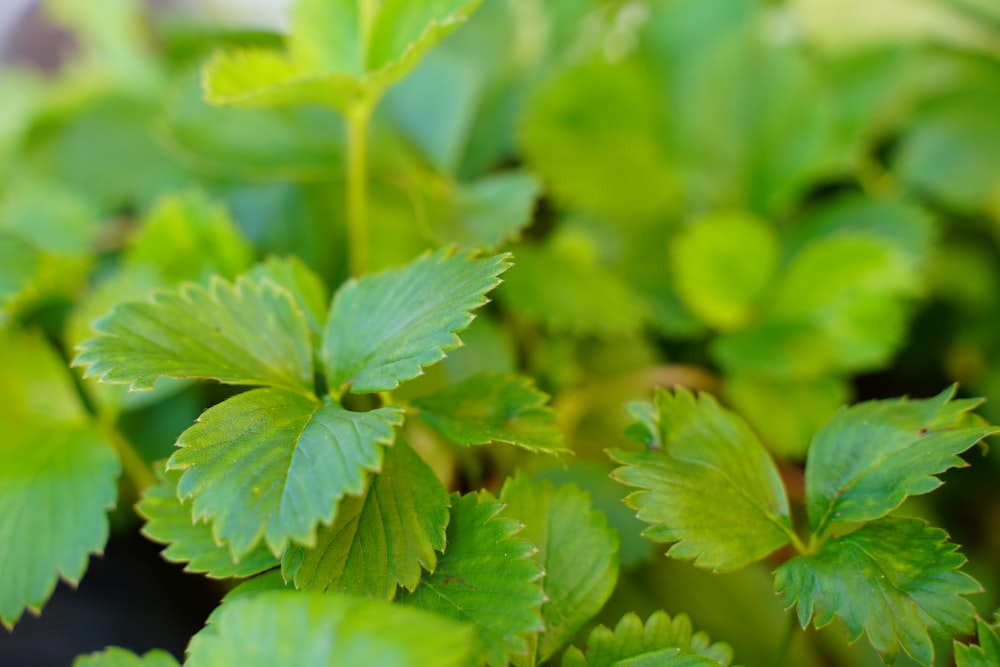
871, 456
57, 480
305, 287
188, 237
486, 577
270, 463
337, 53
987, 654
171, 523
380, 539
489, 407
563, 525
721, 266
895, 578
661, 641
310, 628
243, 333
384, 328
119, 657
710, 487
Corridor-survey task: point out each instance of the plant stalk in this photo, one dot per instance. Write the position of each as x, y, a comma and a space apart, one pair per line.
358, 117
134, 466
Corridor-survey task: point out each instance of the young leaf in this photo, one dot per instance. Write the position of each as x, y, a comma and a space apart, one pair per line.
384, 328
119, 657
171, 523
486, 577
57, 480
309, 628
987, 654
576, 549
871, 456
380, 539
271, 463
489, 407
895, 578
722, 265
661, 641
243, 333
338, 52
710, 487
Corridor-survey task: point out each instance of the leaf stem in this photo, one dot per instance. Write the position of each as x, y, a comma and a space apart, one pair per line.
135, 467
358, 117
786, 640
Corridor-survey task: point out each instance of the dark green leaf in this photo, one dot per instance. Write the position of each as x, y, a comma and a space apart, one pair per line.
710, 487
576, 549
270, 463
897, 579
243, 333
380, 539
871, 456
384, 328
486, 577
171, 523
661, 641
308, 628
489, 407
987, 653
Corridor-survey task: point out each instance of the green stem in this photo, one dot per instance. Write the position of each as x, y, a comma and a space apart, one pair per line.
134, 465
358, 117
786, 641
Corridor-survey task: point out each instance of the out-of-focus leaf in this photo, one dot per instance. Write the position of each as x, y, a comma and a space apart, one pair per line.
305, 287
722, 266
119, 657
660, 641
987, 653
338, 53
709, 487
897, 579
310, 628
871, 456
57, 481
380, 540
171, 523
493, 408
238, 333
383, 328
562, 524
486, 577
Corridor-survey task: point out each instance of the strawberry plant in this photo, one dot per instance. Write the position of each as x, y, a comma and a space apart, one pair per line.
357, 316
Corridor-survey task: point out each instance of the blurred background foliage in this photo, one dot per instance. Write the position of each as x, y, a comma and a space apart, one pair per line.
793, 205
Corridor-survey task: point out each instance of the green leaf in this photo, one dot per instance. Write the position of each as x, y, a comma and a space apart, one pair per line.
243, 333
271, 463
20, 262
486, 213
303, 284
380, 539
871, 456
721, 267
57, 481
338, 53
711, 486
661, 641
119, 657
309, 628
576, 549
384, 328
489, 407
895, 578
987, 654
486, 577
171, 523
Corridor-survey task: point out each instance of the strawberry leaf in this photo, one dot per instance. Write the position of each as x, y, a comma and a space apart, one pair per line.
384, 328
489, 407
271, 464
380, 540
709, 486
871, 456
245, 333
897, 579
119, 657
485, 577
987, 654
